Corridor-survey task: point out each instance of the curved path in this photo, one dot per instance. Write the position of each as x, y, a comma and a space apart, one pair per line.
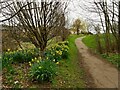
103, 74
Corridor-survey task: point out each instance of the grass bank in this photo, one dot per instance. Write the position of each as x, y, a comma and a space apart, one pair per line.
70, 75
90, 41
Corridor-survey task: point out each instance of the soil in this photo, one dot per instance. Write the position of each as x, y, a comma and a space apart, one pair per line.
100, 74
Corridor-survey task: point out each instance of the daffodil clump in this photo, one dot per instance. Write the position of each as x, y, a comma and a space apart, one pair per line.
58, 52
19, 55
35, 60
42, 70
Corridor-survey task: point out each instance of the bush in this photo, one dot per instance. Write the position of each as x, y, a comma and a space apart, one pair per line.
42, 70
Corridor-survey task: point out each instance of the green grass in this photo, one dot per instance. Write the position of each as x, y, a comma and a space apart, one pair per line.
70, 74
90, 41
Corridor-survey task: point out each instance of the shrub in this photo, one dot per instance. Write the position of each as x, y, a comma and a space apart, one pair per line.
42, 70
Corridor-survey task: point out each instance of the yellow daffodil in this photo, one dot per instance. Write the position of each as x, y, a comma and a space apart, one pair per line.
57, 62
40, 67
30, 63
32, 60
54, 60
40, 57
57, 51
38, 61
8, 50
60, 52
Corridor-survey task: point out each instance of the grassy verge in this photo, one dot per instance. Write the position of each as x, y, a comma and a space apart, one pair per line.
90, 41
70, 74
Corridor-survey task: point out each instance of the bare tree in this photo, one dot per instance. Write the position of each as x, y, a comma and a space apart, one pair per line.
119, 29
38, 19
110, 23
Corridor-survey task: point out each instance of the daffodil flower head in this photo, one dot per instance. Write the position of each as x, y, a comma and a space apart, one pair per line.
57, 51
40, 57
30, 64
38, 61
32, 60
40, 67
8, 50
57, 62
54, 60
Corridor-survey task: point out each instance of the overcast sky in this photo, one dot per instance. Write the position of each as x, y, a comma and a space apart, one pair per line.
76, 9
80, 9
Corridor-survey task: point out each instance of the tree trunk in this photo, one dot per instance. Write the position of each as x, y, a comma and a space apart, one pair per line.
98, 43
42, 49
107, 34
77, 31
119, 30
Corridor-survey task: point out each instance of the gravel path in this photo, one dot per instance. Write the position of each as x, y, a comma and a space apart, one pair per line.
104, 75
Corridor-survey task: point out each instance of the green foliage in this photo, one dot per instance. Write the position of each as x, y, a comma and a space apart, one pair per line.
113, 58
8, 58
42, 71
90, 41
7, 61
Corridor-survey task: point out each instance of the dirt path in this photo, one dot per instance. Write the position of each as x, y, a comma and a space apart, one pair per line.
103, 74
